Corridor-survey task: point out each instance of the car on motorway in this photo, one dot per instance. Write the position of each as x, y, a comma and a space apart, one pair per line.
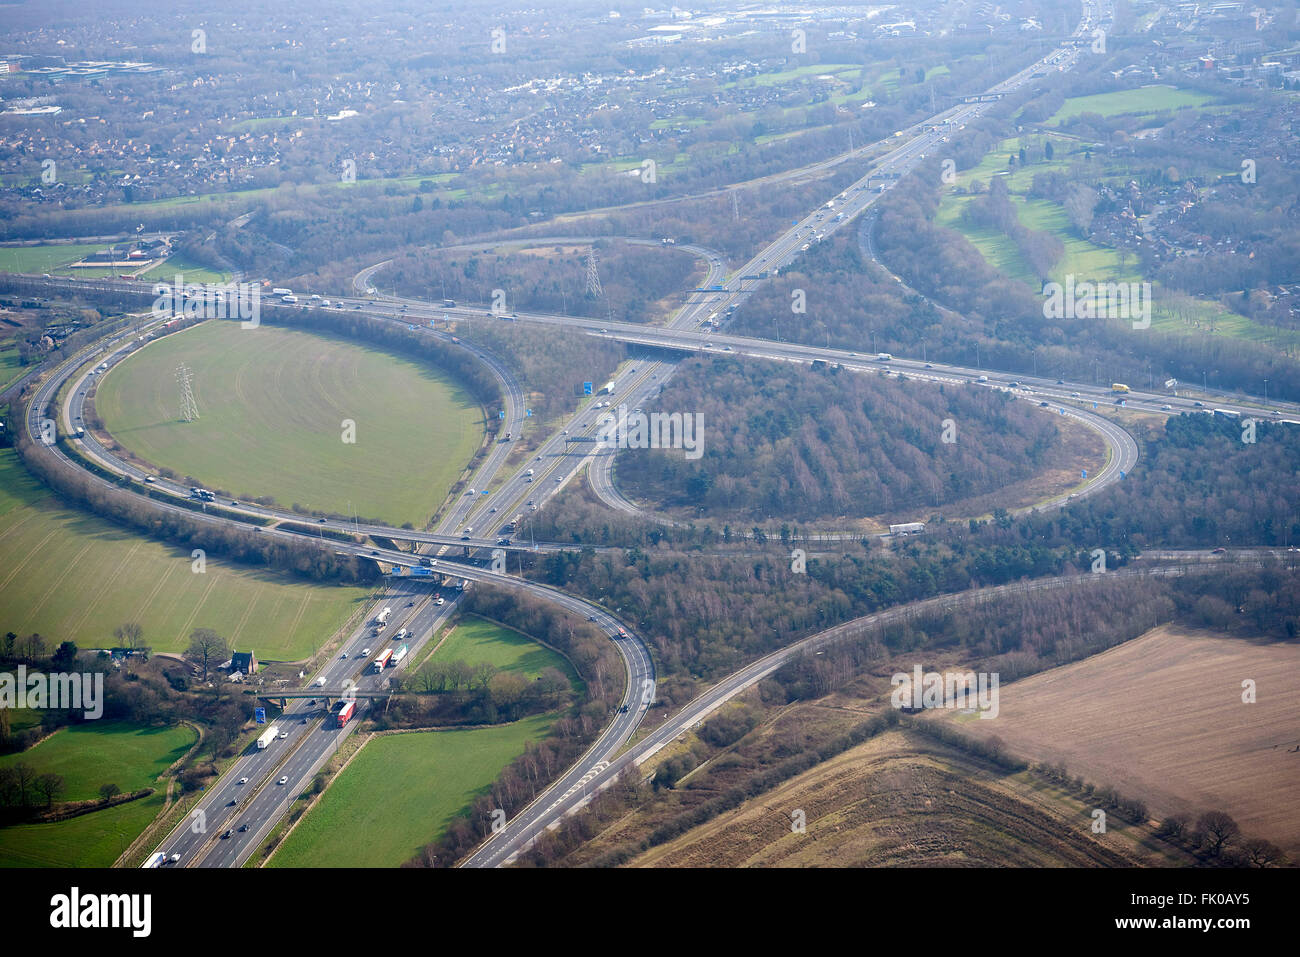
1219, 551
149, 479
1074, 395
225, 834
1165, 408
471, 492
283, 780
428, 562
285, 734
365, 653
321, 521
928, 366
503, 541
1060, 382
243, 828
344, 655
1199, 405
242, 781
372, 551
173, 859
440, 601
1042, 405
591, 618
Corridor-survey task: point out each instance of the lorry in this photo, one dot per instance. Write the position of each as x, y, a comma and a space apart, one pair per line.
381, 660
397, 657
156, 859
884, 357
607, 388
289, 300
267, 737
907, 528
1118, 387
345, 710
281, 292
382, 617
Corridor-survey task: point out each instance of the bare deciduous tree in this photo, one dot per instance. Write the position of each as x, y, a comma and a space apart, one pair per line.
206, 649
1218, 829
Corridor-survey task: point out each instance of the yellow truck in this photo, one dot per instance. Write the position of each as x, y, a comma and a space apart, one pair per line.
1118, 387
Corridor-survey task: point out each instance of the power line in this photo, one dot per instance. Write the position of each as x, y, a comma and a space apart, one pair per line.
593, 276
189, 407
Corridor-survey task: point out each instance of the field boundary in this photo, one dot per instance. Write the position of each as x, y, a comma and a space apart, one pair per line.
316, 798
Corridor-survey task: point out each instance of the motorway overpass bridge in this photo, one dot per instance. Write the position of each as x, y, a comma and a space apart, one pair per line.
281, 699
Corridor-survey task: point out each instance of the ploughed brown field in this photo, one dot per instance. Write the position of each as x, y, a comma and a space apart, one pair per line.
1161, 719
905, 800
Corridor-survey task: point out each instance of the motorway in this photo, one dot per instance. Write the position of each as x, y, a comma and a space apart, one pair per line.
260, 804
557, 459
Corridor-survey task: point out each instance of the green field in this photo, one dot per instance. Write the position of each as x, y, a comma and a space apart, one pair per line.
70, 575
1143, 100
190, 271
400, 792
272, 404
51, 259
91, 840
55, 259
10, 367
88, 755
1082, 258
476, 641
93, 753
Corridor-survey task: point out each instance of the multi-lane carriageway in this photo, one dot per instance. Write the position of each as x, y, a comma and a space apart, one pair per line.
308, 746
260, 802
